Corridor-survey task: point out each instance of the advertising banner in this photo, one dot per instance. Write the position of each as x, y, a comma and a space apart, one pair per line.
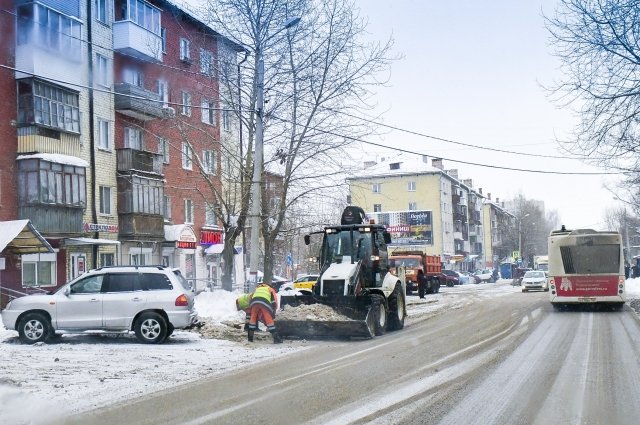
407, 227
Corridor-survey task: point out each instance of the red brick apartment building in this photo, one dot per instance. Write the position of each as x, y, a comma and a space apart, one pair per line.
108, 122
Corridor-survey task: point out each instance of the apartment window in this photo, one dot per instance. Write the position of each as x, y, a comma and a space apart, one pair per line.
48, 105
133, 77
188, 211
186, 103
38, 270
377, 207
208, 110
185, 54
163, 92
411, 186
143, 14
107, 259
101, 11
44, 182
163, 149
145, 196
133, 138
166, 203
376, 188
104, 134
102, 71
413, 206
163, 36
209, 215
209, 162
206, 62
105, 200
226, 120
187, 153
49, 29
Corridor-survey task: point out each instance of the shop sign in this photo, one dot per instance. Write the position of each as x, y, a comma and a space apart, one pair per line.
187, 239
96, 227
210, 237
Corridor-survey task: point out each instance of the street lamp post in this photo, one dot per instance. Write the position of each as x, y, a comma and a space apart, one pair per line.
520, 234
258, 159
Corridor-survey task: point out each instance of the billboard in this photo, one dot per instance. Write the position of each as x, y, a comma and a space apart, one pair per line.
407, 227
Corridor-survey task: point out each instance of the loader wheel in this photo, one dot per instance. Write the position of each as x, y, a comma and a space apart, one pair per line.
396, 309
379, 311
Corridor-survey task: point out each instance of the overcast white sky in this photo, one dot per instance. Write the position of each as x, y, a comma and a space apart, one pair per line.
472, 72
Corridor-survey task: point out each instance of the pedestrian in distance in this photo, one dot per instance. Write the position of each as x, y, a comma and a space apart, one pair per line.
262, 308
627, 270
422, 284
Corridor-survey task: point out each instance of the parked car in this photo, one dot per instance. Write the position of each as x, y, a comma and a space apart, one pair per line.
484, 276
151, 301
452, 276
465, 278
535, 279
306, 282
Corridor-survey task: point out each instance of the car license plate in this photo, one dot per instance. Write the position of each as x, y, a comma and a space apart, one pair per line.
587, 299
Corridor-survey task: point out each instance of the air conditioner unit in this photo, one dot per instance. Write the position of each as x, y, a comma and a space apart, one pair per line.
168, 112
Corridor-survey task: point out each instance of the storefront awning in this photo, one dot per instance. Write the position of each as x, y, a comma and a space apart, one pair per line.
214, 249
21, 237
89, 241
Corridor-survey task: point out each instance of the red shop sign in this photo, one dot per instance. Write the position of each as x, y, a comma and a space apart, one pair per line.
209, 237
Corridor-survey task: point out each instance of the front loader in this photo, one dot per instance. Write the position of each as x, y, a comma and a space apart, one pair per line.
363, 297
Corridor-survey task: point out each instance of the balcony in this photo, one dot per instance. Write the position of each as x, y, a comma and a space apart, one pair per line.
141, 226
138, 103
132, 159
134, 40
53, 220
45, 140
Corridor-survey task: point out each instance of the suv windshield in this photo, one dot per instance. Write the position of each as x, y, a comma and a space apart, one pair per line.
533, 274
406, 262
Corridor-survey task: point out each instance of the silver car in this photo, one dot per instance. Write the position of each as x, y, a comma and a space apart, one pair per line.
151, 301
535, 279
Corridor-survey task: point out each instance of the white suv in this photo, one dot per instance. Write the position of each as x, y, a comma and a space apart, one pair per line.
152, 301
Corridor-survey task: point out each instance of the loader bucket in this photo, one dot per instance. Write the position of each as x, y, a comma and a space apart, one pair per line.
356, 320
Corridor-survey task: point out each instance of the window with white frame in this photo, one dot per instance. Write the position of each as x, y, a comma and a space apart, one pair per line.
139, 256
186, 103
54, 32
209, 215
48, 105
44, 182
377, 207
163, 92
102, 71
187, 159
105, 200
188, 211
206, 62
185, 50
411, 186
226, 119
163, 149
209, 162
133, 138
133, 76
38, 270
102, 11
104, 134
166, 207
413, 206
376, 188
208, 110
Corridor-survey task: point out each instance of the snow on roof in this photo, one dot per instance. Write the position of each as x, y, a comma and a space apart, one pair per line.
402, 164
57, 158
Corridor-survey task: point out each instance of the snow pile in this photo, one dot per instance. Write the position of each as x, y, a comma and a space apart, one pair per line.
632, 287
316, 312
218, 306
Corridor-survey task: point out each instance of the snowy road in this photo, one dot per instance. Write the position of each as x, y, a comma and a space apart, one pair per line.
494, 356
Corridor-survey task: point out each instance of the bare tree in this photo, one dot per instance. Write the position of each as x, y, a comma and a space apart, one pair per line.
314, 74
598, 44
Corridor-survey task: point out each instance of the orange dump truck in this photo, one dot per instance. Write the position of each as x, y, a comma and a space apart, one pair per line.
419, 267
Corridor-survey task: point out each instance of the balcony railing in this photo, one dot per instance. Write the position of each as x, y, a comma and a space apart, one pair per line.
133, 159
141, 226
52, 220
137, 41
137, 102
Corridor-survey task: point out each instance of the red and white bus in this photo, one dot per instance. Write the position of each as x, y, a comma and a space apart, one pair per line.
586, 266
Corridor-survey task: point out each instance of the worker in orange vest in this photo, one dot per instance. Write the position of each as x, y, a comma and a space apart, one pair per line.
262, 307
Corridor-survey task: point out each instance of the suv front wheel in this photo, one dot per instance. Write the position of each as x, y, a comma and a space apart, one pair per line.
34, 327
151, 328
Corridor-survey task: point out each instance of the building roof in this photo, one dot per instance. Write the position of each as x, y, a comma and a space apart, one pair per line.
406, 165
